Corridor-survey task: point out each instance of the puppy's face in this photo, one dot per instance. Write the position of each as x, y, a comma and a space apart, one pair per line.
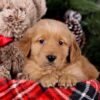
49, 43
49, 49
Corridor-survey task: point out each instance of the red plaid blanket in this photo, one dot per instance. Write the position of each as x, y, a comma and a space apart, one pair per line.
29, 90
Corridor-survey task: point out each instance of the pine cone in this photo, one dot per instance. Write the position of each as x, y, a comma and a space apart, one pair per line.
72, 20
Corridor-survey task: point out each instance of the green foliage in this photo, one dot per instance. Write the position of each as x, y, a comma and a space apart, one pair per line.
90, 11
92, 30
84, 6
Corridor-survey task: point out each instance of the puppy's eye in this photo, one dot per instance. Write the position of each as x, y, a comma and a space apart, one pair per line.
41, 41
61, 42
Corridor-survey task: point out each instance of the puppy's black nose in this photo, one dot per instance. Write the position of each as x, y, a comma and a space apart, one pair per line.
51, 58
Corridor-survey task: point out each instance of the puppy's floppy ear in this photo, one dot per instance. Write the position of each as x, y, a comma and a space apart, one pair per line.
24, 44
74, 52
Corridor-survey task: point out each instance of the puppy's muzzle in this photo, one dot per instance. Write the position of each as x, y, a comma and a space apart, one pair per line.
51, 58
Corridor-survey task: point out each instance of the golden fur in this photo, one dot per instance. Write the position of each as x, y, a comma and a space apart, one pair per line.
51, 37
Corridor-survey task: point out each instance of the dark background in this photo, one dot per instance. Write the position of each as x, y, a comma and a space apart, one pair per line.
90, 11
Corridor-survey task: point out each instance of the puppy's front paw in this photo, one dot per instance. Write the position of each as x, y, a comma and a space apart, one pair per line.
67, 81
49, 81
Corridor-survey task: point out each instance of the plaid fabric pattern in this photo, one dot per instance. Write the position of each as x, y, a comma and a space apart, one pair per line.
29, 90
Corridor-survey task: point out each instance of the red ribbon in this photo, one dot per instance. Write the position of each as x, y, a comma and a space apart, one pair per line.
4, 40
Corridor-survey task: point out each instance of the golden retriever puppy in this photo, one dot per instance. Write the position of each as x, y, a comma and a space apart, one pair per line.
53, 56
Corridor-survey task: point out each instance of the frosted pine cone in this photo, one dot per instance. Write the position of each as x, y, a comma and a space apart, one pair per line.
72, 20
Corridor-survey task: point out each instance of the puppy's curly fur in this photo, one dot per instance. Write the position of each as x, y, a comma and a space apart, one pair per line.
53, 56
